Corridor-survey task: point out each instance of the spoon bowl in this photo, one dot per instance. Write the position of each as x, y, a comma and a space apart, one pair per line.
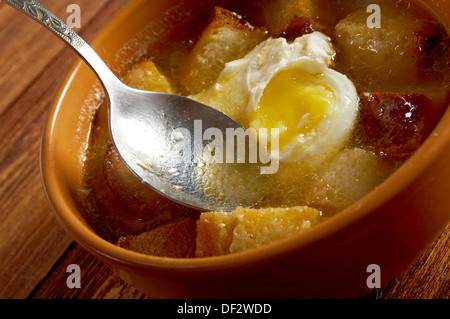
159, 136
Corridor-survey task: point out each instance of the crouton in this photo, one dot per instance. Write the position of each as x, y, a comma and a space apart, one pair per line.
175, 240
215, 233
138, 201
393, 57
226, 37
336, 10
220, 233
146, 76
349, 177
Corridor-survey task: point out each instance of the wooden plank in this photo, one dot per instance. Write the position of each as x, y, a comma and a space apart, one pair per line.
31, 241
97, 281
427, 278
27, 48
30, 238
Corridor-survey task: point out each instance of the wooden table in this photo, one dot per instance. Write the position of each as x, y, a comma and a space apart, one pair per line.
34, 249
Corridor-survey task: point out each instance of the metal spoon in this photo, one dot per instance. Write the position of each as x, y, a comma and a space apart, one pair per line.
153, 131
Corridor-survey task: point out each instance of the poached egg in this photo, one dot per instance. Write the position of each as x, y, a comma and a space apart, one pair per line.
290, 87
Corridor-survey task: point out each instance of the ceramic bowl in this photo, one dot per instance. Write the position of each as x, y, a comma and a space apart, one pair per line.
390, 227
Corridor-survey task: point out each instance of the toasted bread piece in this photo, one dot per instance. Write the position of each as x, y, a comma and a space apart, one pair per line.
336, 10
215, 233
138, 201
220, 233
176, 240
350, 176
146, 76
394, 57
293, 18
226, 37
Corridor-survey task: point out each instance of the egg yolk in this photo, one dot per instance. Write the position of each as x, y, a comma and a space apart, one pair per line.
295, 102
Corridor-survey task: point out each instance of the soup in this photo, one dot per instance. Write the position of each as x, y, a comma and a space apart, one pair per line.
353, 87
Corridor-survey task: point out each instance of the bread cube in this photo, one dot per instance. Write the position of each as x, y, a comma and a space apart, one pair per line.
226, 37
146, 76
138, 201
351, 175
215, 233
175, 240
393, 57
220, 233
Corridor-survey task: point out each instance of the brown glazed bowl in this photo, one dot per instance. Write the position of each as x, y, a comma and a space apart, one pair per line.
390, 227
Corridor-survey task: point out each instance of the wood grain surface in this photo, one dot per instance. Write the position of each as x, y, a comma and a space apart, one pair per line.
34, 249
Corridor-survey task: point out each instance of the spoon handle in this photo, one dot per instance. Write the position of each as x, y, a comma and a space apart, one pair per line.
37, 11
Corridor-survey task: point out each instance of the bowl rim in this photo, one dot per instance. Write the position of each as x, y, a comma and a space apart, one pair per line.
86, 237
